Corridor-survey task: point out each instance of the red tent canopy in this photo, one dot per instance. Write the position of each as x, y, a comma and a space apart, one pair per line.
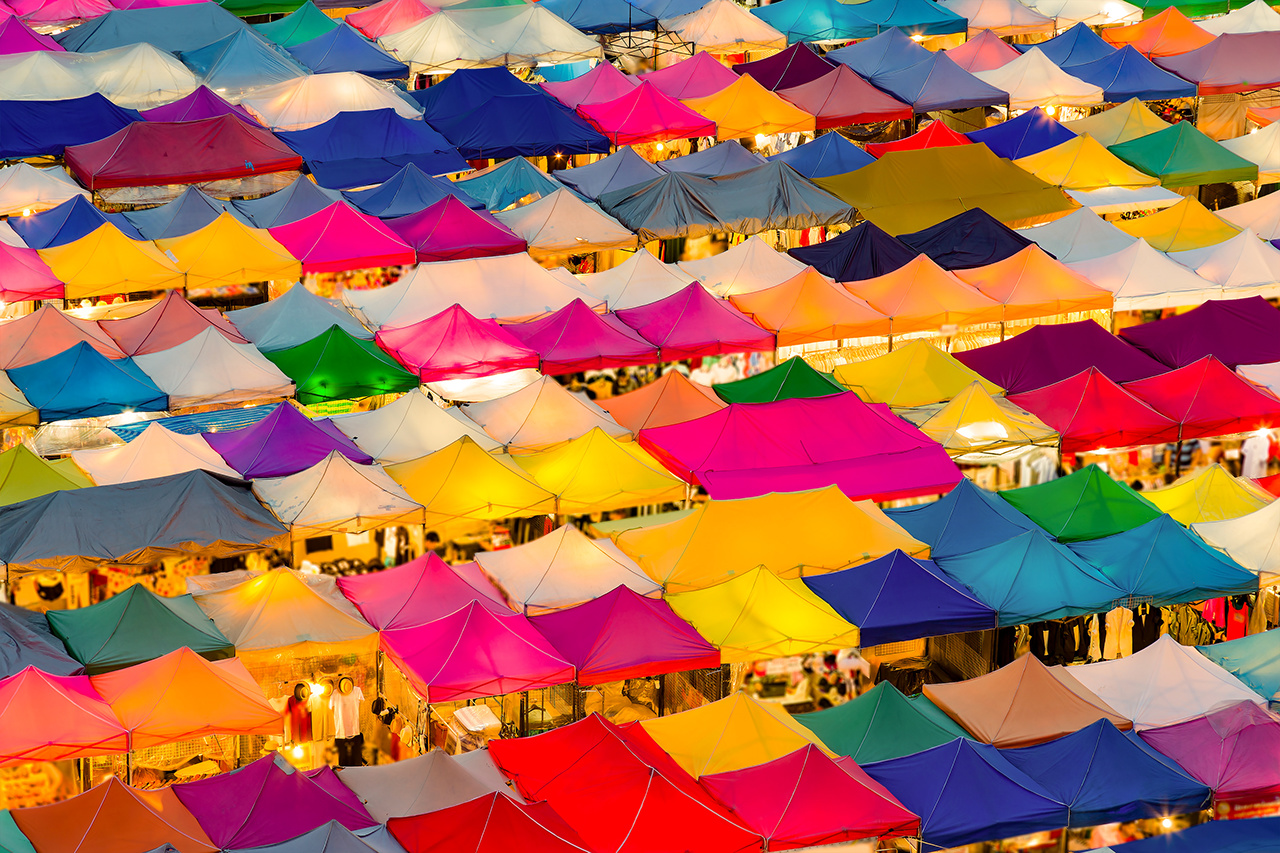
494, 823
691, 322
1205, 398
575, 338
339, 238
646, 114
52, 717
935, 135
455, 345
841, 97
1091, 412
171, 321
152, 153
449, 231
46, 332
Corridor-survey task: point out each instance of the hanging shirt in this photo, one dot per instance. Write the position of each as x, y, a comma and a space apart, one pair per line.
1256, 450
346, 712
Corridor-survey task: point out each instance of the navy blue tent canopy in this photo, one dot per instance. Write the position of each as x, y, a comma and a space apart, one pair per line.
1126, 74
602, 17
864, 251
927, 80
241, 61
408, 191
964, 519
621, 169
1030, 133
357, 149
45, 128
971, 239
26, 640
897, 597
1257, 835
1108, 776
170, 28
189, 212
67, 222
829, 154
1075, 46
80, 382
344, 49
723, 158
297, 201
462, 90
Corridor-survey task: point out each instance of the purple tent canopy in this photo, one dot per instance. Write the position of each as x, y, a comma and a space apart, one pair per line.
1234, 331
1044, 355
282, 443
17, 37
265, 803
449, 230
202, 103
795, 66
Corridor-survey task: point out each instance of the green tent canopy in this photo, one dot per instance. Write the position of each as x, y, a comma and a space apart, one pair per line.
24, 475
134, 627
11, 838
792, 379
882, 724
1085, 505
249, 8
336, 366
303, 24
1182, 156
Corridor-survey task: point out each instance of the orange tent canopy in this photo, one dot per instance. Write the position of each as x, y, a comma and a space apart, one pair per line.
52, 717
673, 399
808, 308
1166, 34
113, 818
922, 296
1032, 284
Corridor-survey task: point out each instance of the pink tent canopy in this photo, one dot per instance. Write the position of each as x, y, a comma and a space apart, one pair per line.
449, 230
1233, 751
691, 323
984, 52
575, 338
17, 37
416, 593
38, 12
646, 114
475, 652
840, 97
624, 635
455, 345
171, 321
24, 274
696, 77
340, 238
52, 717
602, 83
750, 449
154, 4
388, 16
46, 332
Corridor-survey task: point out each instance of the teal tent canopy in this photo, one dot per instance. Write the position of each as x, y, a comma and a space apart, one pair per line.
882, 724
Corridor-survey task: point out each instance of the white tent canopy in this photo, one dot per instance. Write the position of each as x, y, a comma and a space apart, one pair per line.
26, 189
337, 496
38, 76
294, 318
484, 388
562, 223
1257, 17
1095, 13
316, 98
1262, 215
1079, 236
563, 568
211, 369
1125, 199
1143, 278
638, 280
723, 26
1251, 540
410, 427
1164, 683
137, 76
1003, 17
428, 783
1242, 266
156, 452
541, 415
1033, 80
749, 266
1261, 147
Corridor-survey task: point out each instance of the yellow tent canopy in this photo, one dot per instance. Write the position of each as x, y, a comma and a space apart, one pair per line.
105, 261
1211, 495
1119, 124
24, 475
463, 481
598, 473
808, 308
745, 108
15, 409
1031, 284
977, 422
226, 251
737, 731
907, 191
1084, 163
1186, 225
760, 616
784, 532
915, 374
922, 297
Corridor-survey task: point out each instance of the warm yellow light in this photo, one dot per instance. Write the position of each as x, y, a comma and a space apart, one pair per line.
1166, 823
761, 139
317, 689
917, 37
1051, 109
658, 146
559, 156
296, 752
26, 211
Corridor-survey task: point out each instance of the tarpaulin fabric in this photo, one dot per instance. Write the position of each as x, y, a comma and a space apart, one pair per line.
156, 153
25, 276
1262, 148
1183, 156
1081, 163
81, 383
1215, 835
448, 230
788, 380
490, 823
968, 792
1255, 17
36, 128
201, 104
671, 399
23, 187
829, 154
1001, 17
936, 134
292, 319
1207, 399
976, 424
1186, 225
1105, 775
1223, 750
409, 190
284, 442
1079, 236
921, 296
241, 62
415, 593
1126, 73
297, 201
509, 183
882, 724
722, 26
302, 24
1230, 63
1121, 123
864, 251
815, 21
1234, 331
1211, 494
542, 414
67, 222
416, 786
412, 426
172, 29
226, 252
26, 641
646, 114
745, 108
964, 519
156, 452
15, 409
983, 52
46, 332
898, 597
602, 83
388, 16
333, 837
1166, 34
339, 238
609, 17
1092, 412
1086, 504
134, 627
810, 308
344, 49
1252, 659
455, 345
1075, 46
337, 365
1033, 79
692, 322
17, 37
623, 168
307, 101
189, 212
696, 77
915, 374
1030, 133
575, 339
337, 496
794, 66
1031, 284
563, 223
970, 239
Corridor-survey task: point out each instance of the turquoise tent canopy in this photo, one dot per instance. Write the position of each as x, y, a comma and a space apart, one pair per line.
882, 724
1255, 660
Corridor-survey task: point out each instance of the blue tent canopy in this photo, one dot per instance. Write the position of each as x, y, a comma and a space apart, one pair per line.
913, 17
67, 222
602, 17
40, 128
723, 158
356, 149
1255, 660
663, 9
408, 191
1108, 776
1030, 133
189, 212
1257, 835
26, 640
974, 238
829, 154
80, 382
623, 168
966, 792
1076, 46
928, 81
170, 28
241, 61
897, 597
1128, 74
815, 20
564, 71
297, 201
506, 183
864, 251
1031, 578
964, 519
1161, 563
462, 90
344, 49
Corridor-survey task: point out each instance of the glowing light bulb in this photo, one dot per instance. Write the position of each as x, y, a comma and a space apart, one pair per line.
296, 752
659, 146
761, 139
1051, 109
1166, 823
26, 211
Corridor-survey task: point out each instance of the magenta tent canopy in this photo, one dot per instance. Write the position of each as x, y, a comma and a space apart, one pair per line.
474, 652
17, 37
202, 103
267, 803
449, 231
575, 339
282, 443
1234, 331
455, 345
750, 449
602, 83
338, 238
646, 114
624, 635
1043, 355
24, 275
1223, 750
416, 593
696, 77
691, 323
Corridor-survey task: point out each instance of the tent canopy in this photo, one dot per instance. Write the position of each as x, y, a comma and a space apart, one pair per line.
808, 308
1079, 236
241, 62
409, 190
24, 475
337, 496
696, 77
1092, 412
562, 223
1121, 123
1030, 133
921, 296
935, 134
1234, 331
455, 345
1126, 73
344, 48
983, 52
864, 251
638, 280
1249, 540
338, 238
1166, 34
915, 374
975, 425
540, 415
1221, 750
646, 114
296, 201
1210, 495
415, 786
302, 24
794, 66
284, 442
292, 319
1033, 79
1086, 504
829, 154
98, 818
1252, 659
1182, 156
964, 519
1186, 225
1208, 399
815, 21
1228, 64
791, 379
745, 108
671, 399
487, 824
1081, 163
692, 322
973, 238
411, 426
80, 383
722, 26
621, 169
156, 452
415, 593
1031, 284
27, 641
882, 724
751, 265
